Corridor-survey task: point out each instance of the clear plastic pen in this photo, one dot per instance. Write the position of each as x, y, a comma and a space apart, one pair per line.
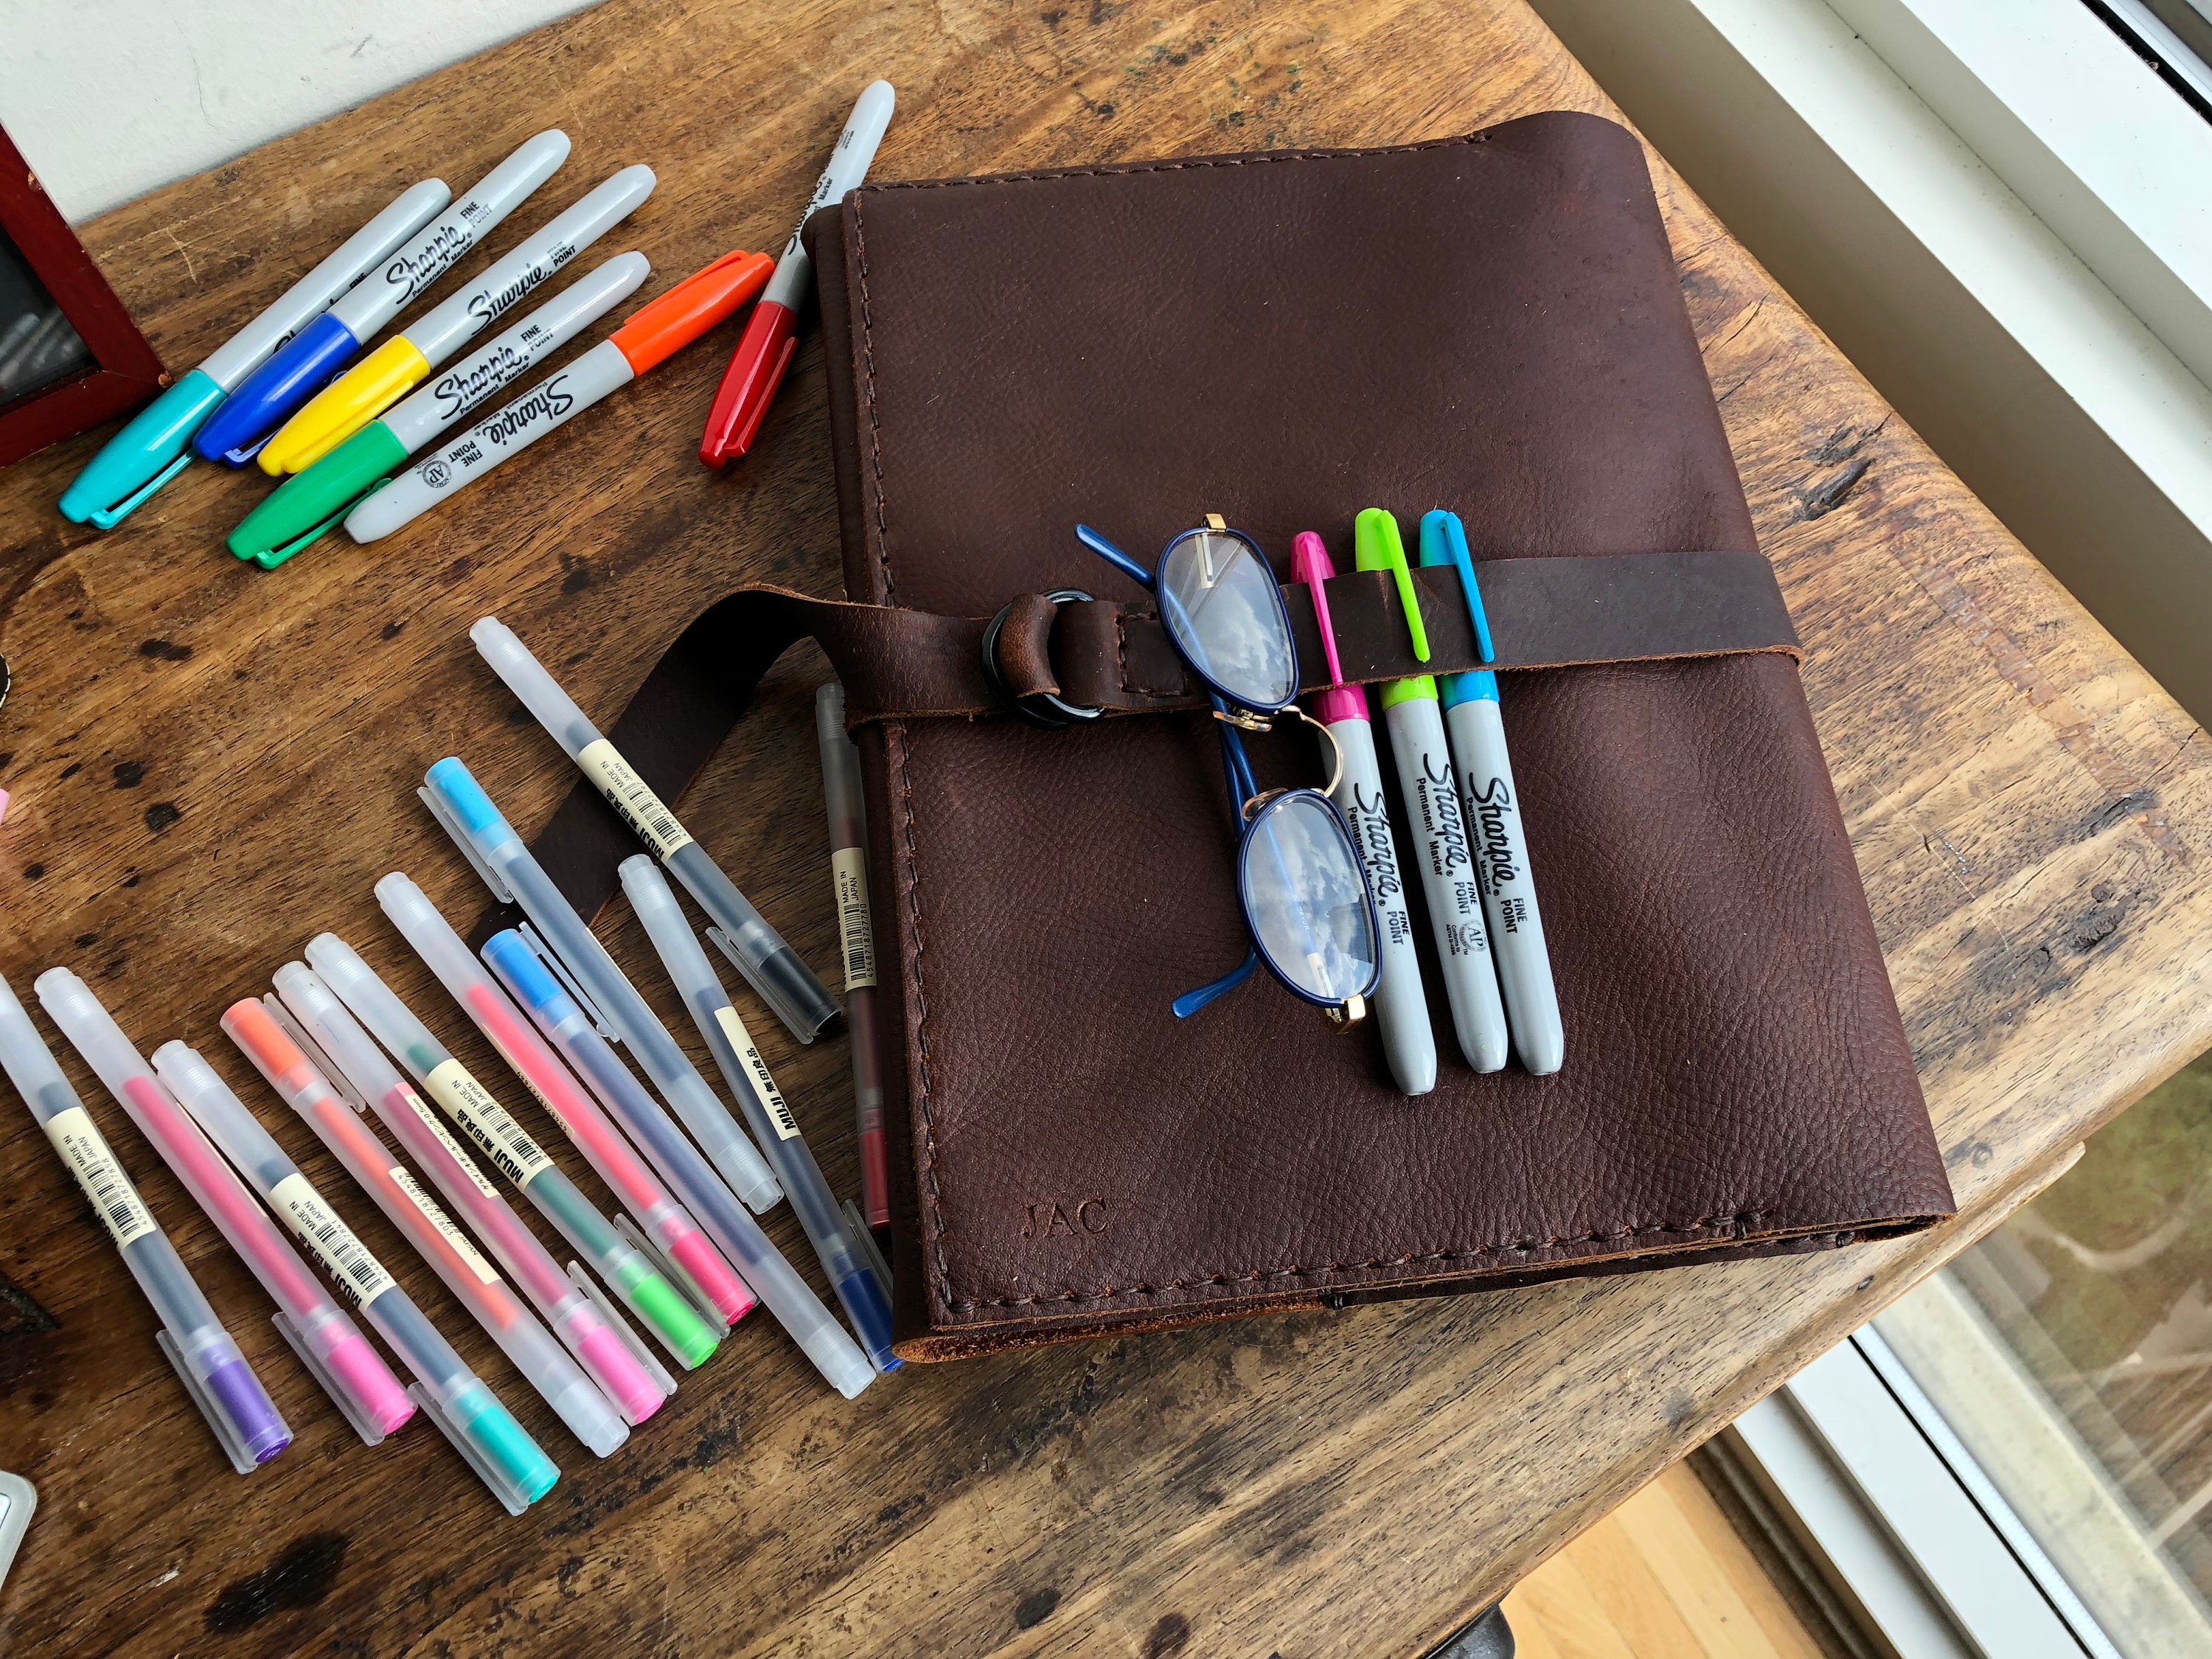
543, 1363
590, 1329
497, 1448
843, 794
215, 1375
775, 971
504, 859
674, 1318
867, 1303
772, 1277
328, 1343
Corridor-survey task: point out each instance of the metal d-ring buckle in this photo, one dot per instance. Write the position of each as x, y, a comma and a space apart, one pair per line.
1041, 709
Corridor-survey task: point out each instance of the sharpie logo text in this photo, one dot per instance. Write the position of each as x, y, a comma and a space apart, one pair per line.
466, 387
488, 304
1493, 805
424, 264
544, 407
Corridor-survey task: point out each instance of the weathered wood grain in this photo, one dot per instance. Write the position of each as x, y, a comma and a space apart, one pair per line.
210, 763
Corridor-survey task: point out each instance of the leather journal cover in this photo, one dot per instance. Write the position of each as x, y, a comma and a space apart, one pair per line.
1491, 324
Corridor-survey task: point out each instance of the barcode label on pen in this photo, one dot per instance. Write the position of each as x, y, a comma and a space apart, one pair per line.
462, 1161
488, 1123
756, 1074
444, 1223
848, 873
631, 796
360, 1275
77, 1138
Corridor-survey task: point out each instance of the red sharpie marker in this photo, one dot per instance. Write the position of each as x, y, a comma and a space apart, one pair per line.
771, 334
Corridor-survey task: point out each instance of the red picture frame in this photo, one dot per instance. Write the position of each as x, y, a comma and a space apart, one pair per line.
125, 370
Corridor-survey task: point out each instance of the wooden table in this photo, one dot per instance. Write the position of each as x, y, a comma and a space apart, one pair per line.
210, 763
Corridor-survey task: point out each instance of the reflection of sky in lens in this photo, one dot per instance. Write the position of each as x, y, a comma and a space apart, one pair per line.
1308, 904
1231, 627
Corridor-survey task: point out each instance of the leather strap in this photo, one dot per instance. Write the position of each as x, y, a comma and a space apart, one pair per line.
907, 665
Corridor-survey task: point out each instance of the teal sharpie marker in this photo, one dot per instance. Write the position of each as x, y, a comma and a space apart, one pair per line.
1497, 842
152, 448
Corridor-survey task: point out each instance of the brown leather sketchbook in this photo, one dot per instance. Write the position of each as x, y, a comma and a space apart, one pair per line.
1491, 324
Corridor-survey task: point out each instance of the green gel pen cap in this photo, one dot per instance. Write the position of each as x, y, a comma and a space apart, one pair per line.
1376, 546
660, 1303
310, 503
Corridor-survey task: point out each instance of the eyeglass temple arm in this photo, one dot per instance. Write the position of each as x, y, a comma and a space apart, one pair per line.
1191, 1001
1114, 556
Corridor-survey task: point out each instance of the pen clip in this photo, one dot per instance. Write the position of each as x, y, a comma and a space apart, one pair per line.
857, 1225
1454, 540
226, 1432
652, 1367
268, 558
108, 518
1310, 564
451, 826
673, 1272
333, 1073
546, 953
347, 1408
509, 1494
240, 457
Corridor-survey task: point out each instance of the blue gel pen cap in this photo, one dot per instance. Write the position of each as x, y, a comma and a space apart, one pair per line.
1444, 541
146, 454
273, 391
518, 964
461, 791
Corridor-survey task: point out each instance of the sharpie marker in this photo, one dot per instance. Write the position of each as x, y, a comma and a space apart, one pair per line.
629, 1270
326, 345
1416, 725
216, 1377
778, 977
565, 1025
150, 450
1401, 1008
381, 378
1493, 819
543, 1363
328, 1343
602, 1344
765, 351
867, 1304
658, 330
489, 1439
308, 503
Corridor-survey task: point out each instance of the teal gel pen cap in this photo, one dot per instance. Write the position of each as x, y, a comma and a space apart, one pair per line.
505, 1444
146, 454
470, 806
309, 502
1444, 541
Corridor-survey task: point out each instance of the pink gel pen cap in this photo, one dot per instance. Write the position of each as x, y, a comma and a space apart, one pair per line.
1309, 563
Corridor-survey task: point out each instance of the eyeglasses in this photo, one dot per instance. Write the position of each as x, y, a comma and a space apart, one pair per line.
1299, 878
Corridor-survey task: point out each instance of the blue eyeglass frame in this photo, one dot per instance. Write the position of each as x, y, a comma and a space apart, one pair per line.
1236, 767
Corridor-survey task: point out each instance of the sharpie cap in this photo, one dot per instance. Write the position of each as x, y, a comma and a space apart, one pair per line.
1444, 541
273, 391
1311, 564
306, 505
692, 308
344, 407
146, 454
1377, 547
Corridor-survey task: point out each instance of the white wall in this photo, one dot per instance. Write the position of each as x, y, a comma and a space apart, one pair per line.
108, 99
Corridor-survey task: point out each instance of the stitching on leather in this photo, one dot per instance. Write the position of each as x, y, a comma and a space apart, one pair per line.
921, 1007
1523, 1247
875, 426
946, 1294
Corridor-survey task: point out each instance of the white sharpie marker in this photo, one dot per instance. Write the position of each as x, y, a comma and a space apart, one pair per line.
1401, 1008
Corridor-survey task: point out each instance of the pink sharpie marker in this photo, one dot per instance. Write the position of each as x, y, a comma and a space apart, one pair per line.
1401, 1008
